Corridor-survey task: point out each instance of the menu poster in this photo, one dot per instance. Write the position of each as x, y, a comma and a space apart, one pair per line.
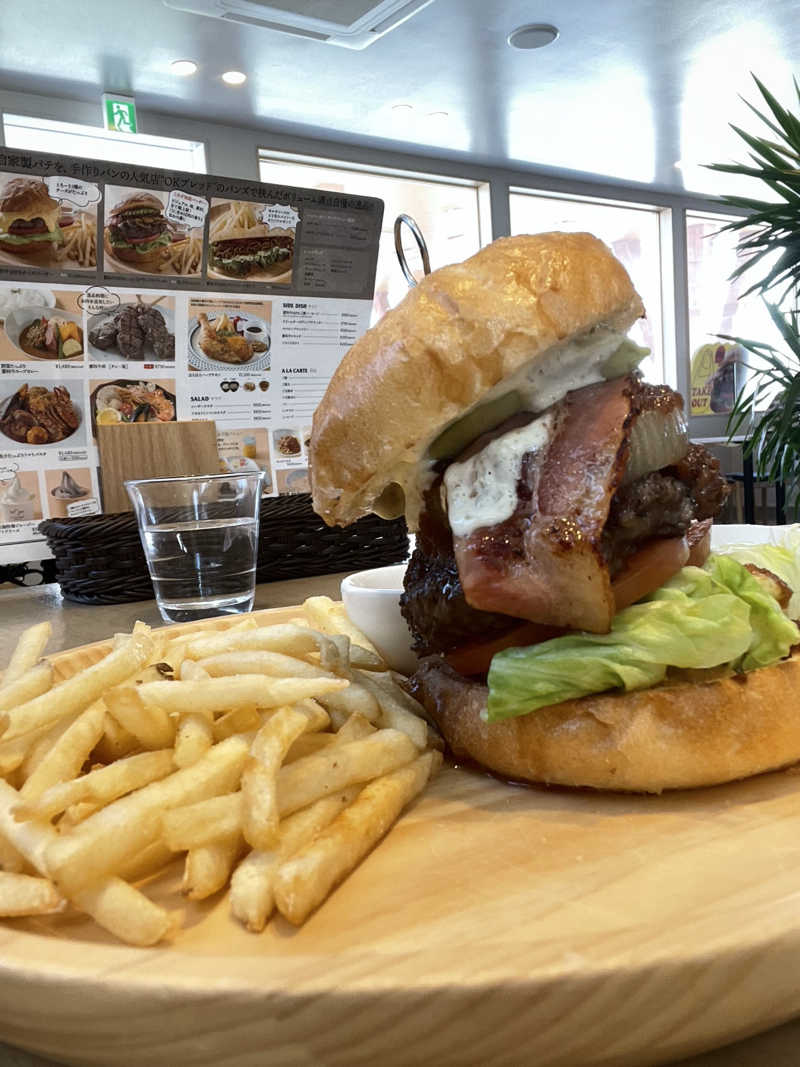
140, 295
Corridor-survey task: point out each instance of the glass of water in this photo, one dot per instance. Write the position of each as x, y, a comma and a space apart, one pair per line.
200, 539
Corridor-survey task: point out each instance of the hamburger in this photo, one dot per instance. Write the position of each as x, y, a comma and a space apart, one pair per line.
29, 218
256, 249
572, 627
137, 231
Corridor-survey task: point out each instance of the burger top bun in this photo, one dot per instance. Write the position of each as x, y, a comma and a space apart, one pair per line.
138, 200
23, 196
464, 329
678, 736
240, 233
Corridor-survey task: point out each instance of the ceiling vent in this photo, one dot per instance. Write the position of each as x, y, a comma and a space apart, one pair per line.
349, 23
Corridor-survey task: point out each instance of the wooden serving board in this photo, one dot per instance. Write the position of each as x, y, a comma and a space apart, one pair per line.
495, 925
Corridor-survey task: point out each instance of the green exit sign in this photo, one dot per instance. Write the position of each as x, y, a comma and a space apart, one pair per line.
119, 113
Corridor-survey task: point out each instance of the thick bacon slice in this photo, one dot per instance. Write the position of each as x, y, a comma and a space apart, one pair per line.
545, 563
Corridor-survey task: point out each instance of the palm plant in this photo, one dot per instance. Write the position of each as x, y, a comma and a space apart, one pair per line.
770, 226
772, 436
771, 229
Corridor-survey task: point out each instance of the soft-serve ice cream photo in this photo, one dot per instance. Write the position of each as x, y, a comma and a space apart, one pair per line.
64, 487
19, 496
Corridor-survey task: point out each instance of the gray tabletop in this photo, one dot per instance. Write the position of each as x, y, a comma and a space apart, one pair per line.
75, 624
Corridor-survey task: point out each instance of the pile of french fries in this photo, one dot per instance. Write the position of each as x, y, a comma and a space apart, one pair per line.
273, 757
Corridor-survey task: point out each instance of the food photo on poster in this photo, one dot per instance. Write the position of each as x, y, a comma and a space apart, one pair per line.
64, 487
40, 324
252, 242
143, 234
246, 450
293, 481
229, 333
20, 498
48, 223
124, 400
140, 328
40, 415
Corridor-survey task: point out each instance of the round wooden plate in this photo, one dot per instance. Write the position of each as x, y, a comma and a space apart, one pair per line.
495, 925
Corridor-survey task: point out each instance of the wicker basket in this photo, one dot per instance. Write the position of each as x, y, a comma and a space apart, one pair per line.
99, 560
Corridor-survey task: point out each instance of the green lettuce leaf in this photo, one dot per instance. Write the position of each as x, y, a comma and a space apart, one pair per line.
782, 559
55, 235
161, 241
701, 618
773, 632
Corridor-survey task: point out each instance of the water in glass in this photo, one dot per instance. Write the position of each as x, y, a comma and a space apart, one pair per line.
202, 568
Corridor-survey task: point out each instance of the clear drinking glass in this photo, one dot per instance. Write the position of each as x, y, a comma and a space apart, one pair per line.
200, 539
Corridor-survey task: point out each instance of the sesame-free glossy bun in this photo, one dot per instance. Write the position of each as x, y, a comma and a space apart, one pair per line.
670, 737
24, 196
463, 330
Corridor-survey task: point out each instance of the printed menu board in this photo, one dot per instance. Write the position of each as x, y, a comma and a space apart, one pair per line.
131, 295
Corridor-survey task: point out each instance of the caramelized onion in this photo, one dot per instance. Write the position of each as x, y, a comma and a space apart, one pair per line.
658, 439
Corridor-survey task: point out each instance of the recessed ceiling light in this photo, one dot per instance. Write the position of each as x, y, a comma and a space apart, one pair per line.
183, 67
438, 114
536, 35
400, 108
234, 77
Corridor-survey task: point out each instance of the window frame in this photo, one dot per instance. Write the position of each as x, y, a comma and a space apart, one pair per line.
496, 183
663, 218
193, 148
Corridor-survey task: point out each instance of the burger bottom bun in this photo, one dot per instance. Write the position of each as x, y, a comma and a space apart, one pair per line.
143, 260
672, 737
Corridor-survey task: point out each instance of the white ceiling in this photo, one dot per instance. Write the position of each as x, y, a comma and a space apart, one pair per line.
629, 88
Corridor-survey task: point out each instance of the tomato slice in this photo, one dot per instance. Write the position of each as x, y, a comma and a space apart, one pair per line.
649, 568
476, 657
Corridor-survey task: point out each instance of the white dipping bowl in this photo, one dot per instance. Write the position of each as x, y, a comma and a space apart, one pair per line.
372, 600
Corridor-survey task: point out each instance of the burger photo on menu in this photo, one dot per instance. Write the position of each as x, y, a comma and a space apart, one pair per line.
40, 324
39, 231
139, 239
243, 247
142, 328
571, 623
226, 334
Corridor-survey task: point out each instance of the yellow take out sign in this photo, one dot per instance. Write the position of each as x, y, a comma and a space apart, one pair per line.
715, 373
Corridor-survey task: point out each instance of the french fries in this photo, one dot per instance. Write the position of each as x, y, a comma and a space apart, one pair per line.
273, 757
303, 882
22, 894
26, 655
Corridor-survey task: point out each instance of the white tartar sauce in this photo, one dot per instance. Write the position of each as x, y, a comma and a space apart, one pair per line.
482, 490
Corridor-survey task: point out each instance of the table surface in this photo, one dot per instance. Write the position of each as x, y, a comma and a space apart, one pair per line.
77, 624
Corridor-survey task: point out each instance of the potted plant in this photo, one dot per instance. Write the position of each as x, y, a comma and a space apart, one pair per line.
767, 412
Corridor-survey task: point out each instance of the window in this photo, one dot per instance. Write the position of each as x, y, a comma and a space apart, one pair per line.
94, 142
447, 212
633, 232
716, 304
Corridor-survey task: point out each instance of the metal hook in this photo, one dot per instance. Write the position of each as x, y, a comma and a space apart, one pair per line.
398, 247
